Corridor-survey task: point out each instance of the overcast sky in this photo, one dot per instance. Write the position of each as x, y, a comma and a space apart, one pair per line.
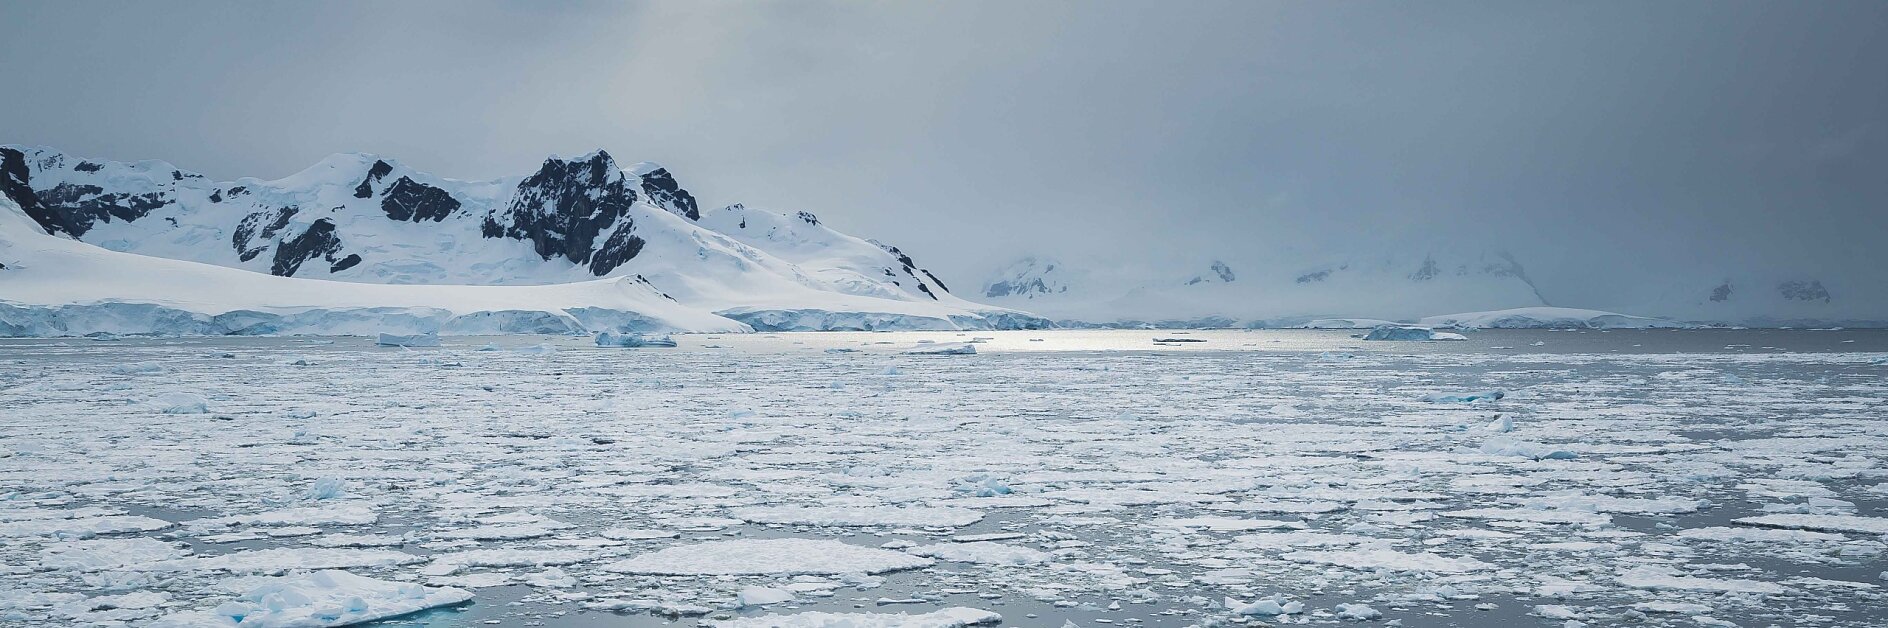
1593, 139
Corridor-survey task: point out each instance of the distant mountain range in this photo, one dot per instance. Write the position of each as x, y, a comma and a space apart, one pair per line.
359, 243
1405, 286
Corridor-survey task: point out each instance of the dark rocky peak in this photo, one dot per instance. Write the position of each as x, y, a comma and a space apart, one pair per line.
16, 180
564, 208
257, 231
660, 189
375, 173
1429, 270
1721, 293
318, 241
809, 218
411, 200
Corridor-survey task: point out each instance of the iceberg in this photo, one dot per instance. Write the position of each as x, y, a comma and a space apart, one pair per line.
632, 340
1410, 333
407, 340
963, 348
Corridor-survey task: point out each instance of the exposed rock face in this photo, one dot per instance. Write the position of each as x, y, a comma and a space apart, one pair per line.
1721, 293
257, 232
564, 207
621, 247
379, 171
72, 208
318, 241
414, 201
16, 182
661, 189
910, 267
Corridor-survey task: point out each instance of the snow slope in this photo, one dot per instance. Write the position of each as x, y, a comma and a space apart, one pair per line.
366, 220
51, 286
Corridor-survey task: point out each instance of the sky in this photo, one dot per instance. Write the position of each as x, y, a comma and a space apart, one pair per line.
1604, 143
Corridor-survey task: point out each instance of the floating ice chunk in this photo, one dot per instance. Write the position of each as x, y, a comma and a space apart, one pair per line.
177, 402
1556, 611
1502, 424
632, 340
1468, 397
280, 559
407, 340
1505, 446
317, 600
1827, 523
980, 485
982, 553
954, 617
340, 515
943, 517
637, 534
1536, 515
97, 554
82, 526
451, 563
1662, 578
1410, 333
1388, 559
1670, 607
327, 488
1758, 535
1267, 607
139, 368
1622, 505
762, 596
1228, 524
960, 348
1357, 612
551, 578
768, 557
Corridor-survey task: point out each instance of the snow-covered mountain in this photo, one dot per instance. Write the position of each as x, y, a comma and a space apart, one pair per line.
364, 219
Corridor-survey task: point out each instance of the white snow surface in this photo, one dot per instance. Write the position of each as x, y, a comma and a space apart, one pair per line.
768, 556
954, 617
317, 600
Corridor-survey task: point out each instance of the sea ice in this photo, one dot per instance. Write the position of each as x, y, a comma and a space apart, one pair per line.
787, 556
317, 600
954, 617
943, 517
982, 552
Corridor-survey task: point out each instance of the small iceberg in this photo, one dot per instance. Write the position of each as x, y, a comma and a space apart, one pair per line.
1410, 332
630, 341
964, 348
1504, 446
407, 340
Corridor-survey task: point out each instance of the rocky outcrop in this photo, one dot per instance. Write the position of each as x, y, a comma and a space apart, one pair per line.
408, 200
565, 206
318, 241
